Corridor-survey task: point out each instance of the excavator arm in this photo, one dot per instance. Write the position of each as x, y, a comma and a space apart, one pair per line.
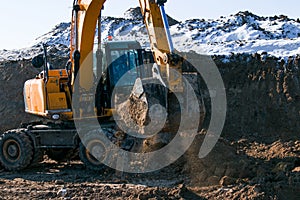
157, 25
84, 22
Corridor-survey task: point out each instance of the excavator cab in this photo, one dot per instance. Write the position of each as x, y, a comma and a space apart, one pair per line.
116, 67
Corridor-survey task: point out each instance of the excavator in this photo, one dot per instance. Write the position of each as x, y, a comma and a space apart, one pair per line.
84, 89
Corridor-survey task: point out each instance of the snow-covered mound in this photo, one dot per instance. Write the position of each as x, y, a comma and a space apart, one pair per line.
243, 32
60, 34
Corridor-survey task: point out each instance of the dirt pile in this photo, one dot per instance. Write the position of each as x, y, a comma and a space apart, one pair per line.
245, 167
263, 94
258, 152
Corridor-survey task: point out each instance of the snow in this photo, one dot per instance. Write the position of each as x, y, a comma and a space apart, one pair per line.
243, 32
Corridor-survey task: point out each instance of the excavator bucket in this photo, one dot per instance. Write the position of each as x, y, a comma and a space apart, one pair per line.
145, 111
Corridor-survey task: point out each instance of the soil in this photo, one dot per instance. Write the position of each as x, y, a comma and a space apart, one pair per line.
234, 170
257, 156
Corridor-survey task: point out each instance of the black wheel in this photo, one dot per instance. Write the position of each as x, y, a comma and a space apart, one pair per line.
16, 150
38, 156
92, 151
61, 155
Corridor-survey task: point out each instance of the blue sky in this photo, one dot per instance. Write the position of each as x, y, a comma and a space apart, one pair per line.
23, 21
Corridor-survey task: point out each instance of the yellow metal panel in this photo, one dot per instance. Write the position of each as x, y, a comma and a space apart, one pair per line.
155, 26
53, 85
57, 101
66, 115
57, 73
37, 96
108, 112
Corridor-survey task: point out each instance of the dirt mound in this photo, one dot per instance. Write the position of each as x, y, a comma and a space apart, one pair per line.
243, 167
258, 152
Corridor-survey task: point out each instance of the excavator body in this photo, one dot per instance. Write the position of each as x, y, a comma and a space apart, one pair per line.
50, 96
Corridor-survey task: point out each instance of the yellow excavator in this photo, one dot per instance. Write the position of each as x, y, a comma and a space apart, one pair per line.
92, 73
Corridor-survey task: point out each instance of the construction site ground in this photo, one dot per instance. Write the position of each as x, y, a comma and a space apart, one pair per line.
243, 169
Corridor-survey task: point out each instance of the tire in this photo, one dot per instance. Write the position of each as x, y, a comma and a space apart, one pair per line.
90, 147
62, 155
16, 151
38, 156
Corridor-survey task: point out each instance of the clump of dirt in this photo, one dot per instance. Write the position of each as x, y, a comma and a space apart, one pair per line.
144, 111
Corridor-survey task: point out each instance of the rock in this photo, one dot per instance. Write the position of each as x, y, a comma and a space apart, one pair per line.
226, 181
19, 180
59, 182
297, 169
